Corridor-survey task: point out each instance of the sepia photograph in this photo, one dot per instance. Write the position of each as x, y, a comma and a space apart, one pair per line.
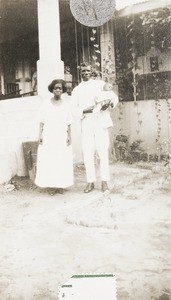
85, 149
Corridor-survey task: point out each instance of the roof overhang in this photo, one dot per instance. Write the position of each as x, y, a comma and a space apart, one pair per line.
18, 18
142, 6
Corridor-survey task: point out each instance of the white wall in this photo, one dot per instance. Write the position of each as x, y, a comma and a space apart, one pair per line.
140, 122
163, 60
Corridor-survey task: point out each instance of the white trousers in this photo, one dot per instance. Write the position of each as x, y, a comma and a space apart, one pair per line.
95, 138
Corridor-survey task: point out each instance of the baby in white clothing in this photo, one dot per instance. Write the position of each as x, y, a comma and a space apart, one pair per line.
105, 99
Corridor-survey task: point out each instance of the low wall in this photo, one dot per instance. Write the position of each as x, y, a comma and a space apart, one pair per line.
18, 123
142, 121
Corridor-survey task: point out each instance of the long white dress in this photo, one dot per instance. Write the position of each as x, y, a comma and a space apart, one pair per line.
54, 157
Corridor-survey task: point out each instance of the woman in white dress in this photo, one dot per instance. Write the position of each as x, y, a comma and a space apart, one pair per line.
54, 157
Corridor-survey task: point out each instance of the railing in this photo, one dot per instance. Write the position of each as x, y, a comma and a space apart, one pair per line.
16, 93
31, 93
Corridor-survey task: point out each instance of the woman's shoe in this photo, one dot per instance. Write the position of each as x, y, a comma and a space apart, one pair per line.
104, 186
89, 187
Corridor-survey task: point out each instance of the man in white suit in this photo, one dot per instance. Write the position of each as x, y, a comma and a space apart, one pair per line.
95, 135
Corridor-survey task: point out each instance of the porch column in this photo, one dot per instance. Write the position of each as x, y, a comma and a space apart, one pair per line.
2, 90
49, 65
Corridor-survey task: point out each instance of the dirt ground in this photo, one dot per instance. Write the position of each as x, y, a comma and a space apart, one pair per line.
47, 239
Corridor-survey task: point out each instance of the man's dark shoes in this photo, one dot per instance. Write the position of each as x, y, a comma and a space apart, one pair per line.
89, 187
104, 186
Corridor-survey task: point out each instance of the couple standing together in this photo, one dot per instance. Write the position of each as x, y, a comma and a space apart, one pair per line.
90, 102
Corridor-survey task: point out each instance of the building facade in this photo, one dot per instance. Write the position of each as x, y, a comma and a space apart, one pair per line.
40, 40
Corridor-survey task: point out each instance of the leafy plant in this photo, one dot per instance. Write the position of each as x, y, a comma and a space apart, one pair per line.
121, 145
128, 152
135, 151
165, 148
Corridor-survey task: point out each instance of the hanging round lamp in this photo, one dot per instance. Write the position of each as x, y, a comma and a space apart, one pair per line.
92, 13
